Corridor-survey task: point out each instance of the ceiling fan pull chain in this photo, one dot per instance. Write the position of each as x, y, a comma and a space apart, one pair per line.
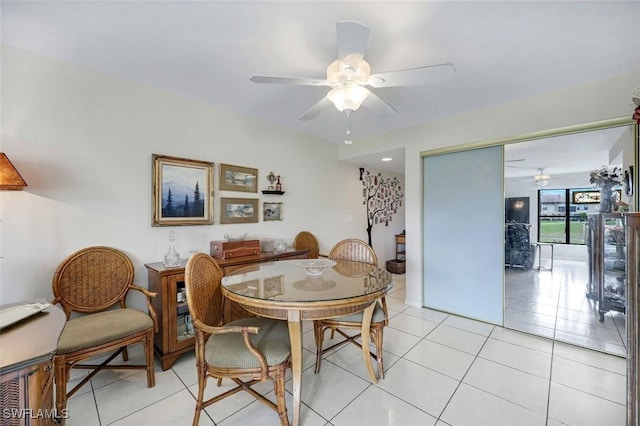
348, 140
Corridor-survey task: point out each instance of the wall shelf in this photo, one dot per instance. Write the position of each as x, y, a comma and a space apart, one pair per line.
270, 192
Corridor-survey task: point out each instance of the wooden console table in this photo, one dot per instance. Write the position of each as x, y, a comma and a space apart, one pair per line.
26, 371
173, 337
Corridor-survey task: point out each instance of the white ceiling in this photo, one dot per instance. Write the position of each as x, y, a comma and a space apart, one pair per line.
574, 153
208, 50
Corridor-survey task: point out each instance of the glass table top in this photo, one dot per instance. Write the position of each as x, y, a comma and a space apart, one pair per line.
288, 281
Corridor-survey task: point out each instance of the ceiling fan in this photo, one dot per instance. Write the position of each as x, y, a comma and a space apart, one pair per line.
541, 179
350, 78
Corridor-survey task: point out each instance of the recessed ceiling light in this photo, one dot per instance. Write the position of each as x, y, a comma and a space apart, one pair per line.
348, 141
387, 159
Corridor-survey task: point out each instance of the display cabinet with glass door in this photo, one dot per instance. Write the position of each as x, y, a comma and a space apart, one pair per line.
607, 262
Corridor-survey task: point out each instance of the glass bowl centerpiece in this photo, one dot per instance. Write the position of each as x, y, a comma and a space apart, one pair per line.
315, 267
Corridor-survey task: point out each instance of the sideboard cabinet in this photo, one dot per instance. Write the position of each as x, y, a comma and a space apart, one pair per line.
175, 329
26, 368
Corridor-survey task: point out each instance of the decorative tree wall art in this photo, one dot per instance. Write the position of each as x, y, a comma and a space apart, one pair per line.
382, 197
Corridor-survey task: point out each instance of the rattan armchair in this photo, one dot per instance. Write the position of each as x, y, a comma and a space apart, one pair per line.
90, 282
306, 240
256, 349
360, 251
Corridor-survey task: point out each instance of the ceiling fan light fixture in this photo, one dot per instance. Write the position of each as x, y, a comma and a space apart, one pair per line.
542, 180
348, 96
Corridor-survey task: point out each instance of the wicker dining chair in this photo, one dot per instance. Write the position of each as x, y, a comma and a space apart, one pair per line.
256, 349
306, 240
90, 282
355, 250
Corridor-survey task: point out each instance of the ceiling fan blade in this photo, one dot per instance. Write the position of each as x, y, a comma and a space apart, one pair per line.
352, 40
414, 76
316, 109
289, 80
378, 106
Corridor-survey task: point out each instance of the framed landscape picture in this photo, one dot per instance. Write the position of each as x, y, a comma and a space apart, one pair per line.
182, 191
237, 178
238, 210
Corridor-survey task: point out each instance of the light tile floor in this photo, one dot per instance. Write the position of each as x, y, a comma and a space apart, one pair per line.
554, 304
440, 370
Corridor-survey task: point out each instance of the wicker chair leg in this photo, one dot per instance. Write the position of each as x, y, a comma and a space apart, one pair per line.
280, 396
319, 334
202, 381
61, 376
383, 302
377, 338
148, 350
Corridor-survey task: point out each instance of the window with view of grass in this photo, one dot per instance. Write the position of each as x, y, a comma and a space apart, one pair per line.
560, 220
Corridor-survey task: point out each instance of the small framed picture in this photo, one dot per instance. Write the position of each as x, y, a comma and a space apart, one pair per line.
238, 210
237, 178
182, 191
585, 197
271, 211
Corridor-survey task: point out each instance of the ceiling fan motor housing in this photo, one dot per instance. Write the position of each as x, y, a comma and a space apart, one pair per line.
348, 70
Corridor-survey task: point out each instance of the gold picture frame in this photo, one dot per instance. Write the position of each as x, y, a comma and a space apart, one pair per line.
238, 178
238, 210
182, 191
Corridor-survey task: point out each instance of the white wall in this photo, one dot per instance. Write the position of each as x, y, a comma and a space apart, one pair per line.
581, 104
83, 142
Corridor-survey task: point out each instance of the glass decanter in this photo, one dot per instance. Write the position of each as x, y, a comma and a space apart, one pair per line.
172, 257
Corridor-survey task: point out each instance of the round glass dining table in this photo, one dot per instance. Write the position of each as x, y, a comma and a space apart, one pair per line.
285, 290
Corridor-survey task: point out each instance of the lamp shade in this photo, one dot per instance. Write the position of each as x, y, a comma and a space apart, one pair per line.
10, 179
349, 96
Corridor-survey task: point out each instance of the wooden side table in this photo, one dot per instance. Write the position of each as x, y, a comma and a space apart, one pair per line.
26, 370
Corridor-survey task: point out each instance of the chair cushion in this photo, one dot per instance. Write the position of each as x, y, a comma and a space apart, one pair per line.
103, 327
378, 316
229, 351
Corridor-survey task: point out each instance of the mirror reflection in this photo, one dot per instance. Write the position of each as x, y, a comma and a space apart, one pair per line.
564, 262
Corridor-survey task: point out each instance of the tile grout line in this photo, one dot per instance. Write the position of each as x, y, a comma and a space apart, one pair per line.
462, 378
553, 348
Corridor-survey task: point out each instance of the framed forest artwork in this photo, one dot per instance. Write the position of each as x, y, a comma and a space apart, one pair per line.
182, 191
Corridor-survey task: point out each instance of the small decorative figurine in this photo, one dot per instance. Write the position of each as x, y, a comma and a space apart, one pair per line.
271, 178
